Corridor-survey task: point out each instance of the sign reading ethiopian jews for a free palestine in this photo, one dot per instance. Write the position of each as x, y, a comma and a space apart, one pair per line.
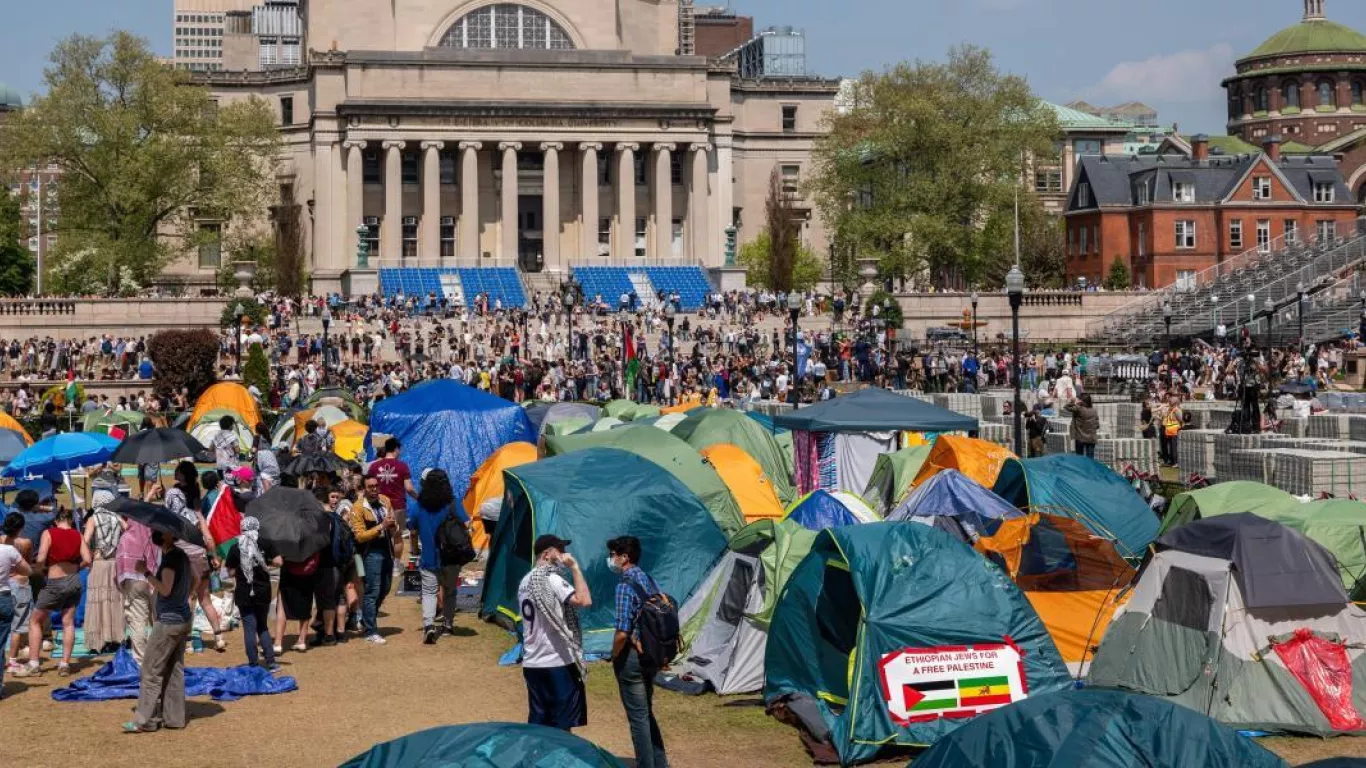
921, 684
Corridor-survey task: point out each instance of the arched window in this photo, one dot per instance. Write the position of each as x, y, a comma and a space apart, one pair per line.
1326, 98
1261, 98
1290, 94
507, 26
1356, 93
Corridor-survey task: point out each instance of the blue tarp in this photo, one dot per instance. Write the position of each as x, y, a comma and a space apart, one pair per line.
950, 493
446, 425
118, 679
819, 510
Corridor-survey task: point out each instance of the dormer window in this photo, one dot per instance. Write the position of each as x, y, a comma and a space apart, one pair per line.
1183, 192
1323, 192
1083, 195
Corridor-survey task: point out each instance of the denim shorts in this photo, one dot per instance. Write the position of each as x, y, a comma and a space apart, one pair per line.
23, 607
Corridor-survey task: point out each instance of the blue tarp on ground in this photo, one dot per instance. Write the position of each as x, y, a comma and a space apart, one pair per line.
447, 425
118, 679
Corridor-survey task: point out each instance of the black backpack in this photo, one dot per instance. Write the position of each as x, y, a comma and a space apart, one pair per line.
657, 624
453, 541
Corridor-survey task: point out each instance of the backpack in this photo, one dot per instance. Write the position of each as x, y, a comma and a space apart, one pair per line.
658, 626
453, 541
344, 548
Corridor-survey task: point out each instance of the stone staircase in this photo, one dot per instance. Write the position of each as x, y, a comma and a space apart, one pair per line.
644, 289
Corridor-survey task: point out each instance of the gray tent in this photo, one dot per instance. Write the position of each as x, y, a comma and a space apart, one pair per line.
1244, 620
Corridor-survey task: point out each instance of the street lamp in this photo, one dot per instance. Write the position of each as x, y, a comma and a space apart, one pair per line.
327, 323
887, 326
1270, 307
237, 313
567, 299
975, 354
794, 310
1251, 307
1214, 314
669, 312
1304, 296
1015, 288
1167, 321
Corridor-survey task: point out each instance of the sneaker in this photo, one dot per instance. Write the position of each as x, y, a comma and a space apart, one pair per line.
429, 636
274, 666
29, 670
375, 640
448, 628
341, 639
328, 640
279, 649
47, 646
63, 670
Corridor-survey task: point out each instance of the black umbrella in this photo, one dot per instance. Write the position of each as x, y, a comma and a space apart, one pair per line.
157, 446
293, 524
311, 463
158, 518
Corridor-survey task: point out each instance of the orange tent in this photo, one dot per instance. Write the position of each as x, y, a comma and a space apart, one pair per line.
486, 485
229, 395
752, 490
978, 459
7, 422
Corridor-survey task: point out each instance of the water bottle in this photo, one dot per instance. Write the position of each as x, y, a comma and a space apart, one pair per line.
197, 643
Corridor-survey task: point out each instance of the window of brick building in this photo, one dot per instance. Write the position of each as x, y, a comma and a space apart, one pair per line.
1235, 234
1185, 233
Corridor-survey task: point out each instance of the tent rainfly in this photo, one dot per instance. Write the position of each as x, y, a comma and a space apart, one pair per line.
875, 409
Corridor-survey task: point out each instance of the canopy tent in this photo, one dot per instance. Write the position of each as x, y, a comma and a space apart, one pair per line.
543, 415
1245, 620
486, 487
1227, 498
953, 503
978, 459
672, 454
725, 624
746, 481
446, 425
1090, 728
892, 477
875, 409
588, 497
1339, 525
819, 510
8, 422
858, 614
349, 439
1081, 488
227, 395
486, 745
705, 427
118, 424
205, 429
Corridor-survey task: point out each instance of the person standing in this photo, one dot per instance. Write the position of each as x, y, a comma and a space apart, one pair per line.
552, 643
1085, 427
635, 675
161, 689
136, 556
104, 625
226, 451
395, 481
435, 505
373, 524
1172, 420
251, 591
184, 499
13, 566
62, 553
21, 590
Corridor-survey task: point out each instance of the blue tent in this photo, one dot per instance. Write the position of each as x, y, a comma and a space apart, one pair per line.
1084, 490
446, 425
820, 509
952, 494
486, 745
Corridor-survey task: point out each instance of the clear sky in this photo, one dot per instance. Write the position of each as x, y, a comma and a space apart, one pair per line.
1168, 53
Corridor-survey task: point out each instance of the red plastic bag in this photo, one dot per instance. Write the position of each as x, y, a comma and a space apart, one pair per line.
1323, 669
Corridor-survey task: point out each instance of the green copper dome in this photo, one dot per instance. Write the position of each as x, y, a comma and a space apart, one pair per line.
10, 97
1311, 36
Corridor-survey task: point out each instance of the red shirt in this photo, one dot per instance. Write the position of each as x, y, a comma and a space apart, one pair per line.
392, 475
65, 546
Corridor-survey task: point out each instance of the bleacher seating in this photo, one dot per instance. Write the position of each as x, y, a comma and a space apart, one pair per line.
690, 283
498, 282
608, 282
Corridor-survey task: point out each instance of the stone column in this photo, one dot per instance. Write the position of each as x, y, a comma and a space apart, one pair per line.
723, 192
589, 236
699, 197
355, 193
509, 214
324, 254
626, 201
550, 206
664, 200
391, 234
429, 238
342, 241
469, 201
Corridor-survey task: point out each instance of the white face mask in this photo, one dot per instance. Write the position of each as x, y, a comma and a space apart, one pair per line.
612, 565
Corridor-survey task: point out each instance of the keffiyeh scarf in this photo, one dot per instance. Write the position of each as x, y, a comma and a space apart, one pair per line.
249, 550
561, 617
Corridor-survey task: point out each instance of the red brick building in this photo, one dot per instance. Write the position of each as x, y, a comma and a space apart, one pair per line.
719, 31
1168, 217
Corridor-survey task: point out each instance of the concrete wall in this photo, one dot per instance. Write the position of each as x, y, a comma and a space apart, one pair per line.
1044, 316
87, 318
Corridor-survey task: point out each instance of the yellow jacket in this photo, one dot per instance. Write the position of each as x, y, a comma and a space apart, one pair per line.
364, 522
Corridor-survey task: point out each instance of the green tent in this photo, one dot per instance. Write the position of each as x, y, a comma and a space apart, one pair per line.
669, 452
481, 745
892, 477
568, 426
128, 421
332, 395
588, 497
1227, 498
628, 410
705, 427
890, 635
1340, 526
725, 624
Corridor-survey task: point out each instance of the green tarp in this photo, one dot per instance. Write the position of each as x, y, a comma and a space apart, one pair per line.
588, 497
705, 427
669, 452
1340, 526
1226, 499
892, 476
486, 745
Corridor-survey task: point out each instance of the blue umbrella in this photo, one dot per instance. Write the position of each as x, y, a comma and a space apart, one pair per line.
62, 453
11, 445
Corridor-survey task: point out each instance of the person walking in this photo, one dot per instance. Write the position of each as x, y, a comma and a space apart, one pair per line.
251, 591
161, 687
21, 590
13, 565
136, 549
552, 642
62, 553
635, 675
373, 525
435, 505
1085, 427
104, 625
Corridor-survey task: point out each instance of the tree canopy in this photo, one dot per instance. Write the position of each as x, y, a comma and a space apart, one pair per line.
145, 156
924, 165
16, 263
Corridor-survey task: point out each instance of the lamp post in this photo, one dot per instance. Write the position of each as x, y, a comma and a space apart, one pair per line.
1167, 321
1214, 314
1251, 308
1270, 316
1299, 305
237, 312
1015, 288
794, 310
327, 323
669, 312
975, 354
567, 299
888, 329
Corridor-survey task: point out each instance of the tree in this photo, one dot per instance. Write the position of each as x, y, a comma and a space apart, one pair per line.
184, 359
925, 162
16, 264
256, 371
1117, 279
145, 157
784, 233
1043, 240
807, 269
254, 311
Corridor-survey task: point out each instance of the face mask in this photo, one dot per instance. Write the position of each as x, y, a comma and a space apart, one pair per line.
612, 565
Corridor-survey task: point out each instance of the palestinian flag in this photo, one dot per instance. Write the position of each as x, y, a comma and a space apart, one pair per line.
629, 357
70, 392
225, 522
984, 691
931, 696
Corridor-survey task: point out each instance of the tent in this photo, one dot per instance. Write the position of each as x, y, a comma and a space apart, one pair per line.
819, 510
664, 421
588, 497
669, 452
746, 480
447, 425
289, 431
953, 503
1245, 620
627, 410
1091, 728
568, 426
1339, 525
978, 459
890, 635
349, 439
205, 429
892, 476
1084, 489
1225, 498
338, 398
8, 422
486, 486
725, 624
875, 409
481, 745
227, 395
709, 426
603, 424
543, 415
126, 422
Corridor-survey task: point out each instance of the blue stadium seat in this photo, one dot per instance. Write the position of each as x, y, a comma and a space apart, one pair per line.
608, 282
690, 283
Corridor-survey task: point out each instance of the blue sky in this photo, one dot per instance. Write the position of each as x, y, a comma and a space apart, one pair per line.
1168, 53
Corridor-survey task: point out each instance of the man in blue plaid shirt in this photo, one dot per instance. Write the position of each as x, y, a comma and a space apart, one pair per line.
635, 677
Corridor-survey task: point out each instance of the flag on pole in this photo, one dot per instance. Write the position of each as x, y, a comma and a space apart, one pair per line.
225, 522
71, 386
632, 362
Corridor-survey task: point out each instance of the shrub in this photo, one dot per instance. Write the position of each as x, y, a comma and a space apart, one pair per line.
56, 394
184, 359
251, 308
891, 308
1117, 279
256, 370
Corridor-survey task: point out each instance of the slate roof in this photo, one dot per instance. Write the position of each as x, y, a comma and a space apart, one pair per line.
1115, 181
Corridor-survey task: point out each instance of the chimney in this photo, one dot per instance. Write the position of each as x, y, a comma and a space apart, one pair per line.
1200, 147
1272, 146
1313, 10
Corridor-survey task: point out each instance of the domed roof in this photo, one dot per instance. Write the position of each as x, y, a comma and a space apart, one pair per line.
1312, 36
9, 97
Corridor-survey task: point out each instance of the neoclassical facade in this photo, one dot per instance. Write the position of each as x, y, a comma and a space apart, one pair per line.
537, 133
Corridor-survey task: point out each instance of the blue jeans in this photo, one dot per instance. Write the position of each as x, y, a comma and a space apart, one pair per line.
256, 627
379, 575
6, 616
1086, 449
635, 682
